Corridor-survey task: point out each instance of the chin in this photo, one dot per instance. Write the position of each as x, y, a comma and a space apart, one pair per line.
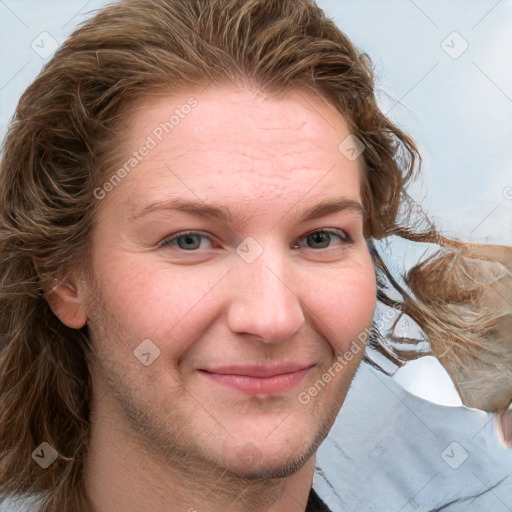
274, 460
265, 469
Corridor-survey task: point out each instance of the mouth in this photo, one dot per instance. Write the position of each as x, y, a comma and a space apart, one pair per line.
255, 380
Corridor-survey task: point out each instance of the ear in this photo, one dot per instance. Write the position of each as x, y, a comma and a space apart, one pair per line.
66, 300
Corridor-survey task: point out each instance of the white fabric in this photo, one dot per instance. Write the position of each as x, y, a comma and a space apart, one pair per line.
427, 378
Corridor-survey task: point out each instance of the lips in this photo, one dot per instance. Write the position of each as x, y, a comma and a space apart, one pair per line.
259, 370
258, 379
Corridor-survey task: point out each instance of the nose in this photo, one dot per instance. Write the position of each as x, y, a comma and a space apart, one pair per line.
264, 303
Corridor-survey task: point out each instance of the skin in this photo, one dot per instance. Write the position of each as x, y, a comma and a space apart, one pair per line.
165, 436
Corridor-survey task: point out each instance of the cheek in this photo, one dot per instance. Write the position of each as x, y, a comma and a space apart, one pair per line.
151, 301
348, 306
172, 307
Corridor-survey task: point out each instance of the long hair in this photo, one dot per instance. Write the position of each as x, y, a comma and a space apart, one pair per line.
61, 146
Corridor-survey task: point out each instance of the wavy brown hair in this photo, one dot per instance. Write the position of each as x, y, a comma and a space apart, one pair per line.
61, 146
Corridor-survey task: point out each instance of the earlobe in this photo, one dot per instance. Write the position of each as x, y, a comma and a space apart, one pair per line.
67, 302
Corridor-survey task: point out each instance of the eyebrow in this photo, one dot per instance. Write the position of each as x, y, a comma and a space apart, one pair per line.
224, 214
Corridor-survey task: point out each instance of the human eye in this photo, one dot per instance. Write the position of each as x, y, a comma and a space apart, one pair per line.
186, 240
323, 238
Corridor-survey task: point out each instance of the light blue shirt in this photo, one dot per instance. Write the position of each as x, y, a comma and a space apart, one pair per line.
391, 451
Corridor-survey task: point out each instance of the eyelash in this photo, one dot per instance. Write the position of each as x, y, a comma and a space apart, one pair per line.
345, 238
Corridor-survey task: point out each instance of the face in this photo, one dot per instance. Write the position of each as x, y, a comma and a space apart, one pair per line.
230, 271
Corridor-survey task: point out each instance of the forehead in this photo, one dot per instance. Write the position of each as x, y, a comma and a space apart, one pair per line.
297, 112
226, 141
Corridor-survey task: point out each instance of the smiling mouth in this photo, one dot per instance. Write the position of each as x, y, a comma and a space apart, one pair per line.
259, 380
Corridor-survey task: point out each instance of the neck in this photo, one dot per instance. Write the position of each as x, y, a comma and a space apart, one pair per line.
121, 474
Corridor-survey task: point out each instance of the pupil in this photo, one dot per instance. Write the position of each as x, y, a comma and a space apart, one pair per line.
319, 238
189, 240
